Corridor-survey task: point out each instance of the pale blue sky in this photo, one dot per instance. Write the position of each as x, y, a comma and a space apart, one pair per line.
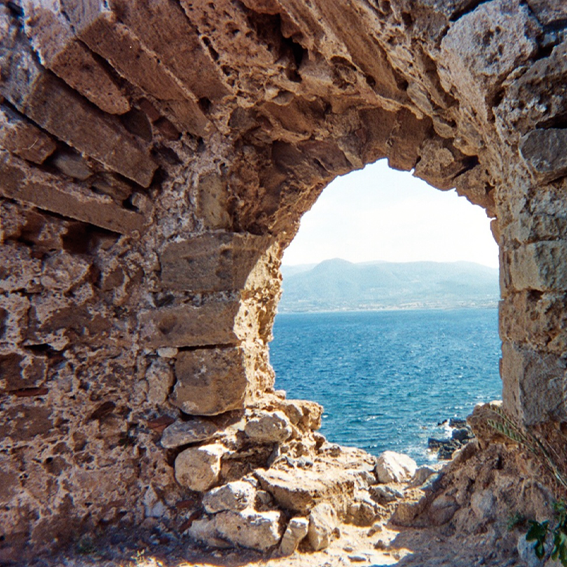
381, 214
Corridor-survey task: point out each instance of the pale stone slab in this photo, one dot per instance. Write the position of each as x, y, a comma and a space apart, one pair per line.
295, 532
322, 525
394, 467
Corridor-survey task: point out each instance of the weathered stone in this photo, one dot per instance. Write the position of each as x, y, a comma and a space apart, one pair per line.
48, 192
210, 381
441, 510
163, 27
394, 467
233, 496
53, 40
295, 532
48, 101
300, 492
303, 413
247, 528
160, 378
364, 511
268, 427
72, 164
384, 494
212, 323
22, 138
544, 152
530, 266
525, 371
98, 28
483, 47
198, 468
210, 262
186, 432
322, 525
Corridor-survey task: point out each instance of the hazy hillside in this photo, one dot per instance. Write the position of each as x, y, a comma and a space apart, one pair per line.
336, 285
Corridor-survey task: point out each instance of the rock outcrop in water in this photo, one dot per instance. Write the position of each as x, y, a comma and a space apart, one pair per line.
156, 159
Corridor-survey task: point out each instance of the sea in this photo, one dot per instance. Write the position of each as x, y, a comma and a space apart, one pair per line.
389, 380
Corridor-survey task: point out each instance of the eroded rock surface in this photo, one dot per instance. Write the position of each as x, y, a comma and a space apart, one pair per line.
155, 161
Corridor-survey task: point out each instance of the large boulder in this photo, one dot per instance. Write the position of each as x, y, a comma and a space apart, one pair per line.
394, 467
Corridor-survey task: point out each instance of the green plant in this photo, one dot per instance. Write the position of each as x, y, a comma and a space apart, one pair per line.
539, 531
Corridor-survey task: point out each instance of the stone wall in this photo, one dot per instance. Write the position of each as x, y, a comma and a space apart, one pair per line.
156, 158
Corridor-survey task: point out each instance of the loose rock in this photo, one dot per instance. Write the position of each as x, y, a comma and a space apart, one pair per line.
322, 526
394, 467
198, 468
186, 432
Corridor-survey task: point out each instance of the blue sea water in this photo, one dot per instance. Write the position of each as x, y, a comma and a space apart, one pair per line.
387, 378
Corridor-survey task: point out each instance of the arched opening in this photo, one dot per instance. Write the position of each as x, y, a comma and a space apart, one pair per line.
389, 312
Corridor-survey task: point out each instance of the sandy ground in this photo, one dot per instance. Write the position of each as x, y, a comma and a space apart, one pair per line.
378, 546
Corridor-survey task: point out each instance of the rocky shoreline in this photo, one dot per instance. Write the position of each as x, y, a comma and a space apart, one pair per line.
301, 501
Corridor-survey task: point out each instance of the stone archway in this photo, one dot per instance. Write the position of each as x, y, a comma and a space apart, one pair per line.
157, 158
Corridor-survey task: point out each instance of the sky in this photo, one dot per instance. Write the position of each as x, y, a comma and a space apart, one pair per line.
378, 213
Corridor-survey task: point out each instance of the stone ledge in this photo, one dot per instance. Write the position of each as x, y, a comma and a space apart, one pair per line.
46, 191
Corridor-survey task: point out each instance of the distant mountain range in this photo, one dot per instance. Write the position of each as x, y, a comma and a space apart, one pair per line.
338, 285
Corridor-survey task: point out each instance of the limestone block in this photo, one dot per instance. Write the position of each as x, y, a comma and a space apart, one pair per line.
163, 28
198, 468
364, 511
160, 378
295, 532
182, 433
322, 525
210, 381
525, 371
233, 496
299, 490
22, 138
251, 529
482, 47
212, 323
539, 266
394, 467
217, 261
529, 101
544, 152
384, 494
100, 30
212, 202
46, 191
53, 39
533, 321
269, 427
49, 102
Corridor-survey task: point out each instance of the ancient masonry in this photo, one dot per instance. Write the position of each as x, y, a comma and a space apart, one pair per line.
156, 157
